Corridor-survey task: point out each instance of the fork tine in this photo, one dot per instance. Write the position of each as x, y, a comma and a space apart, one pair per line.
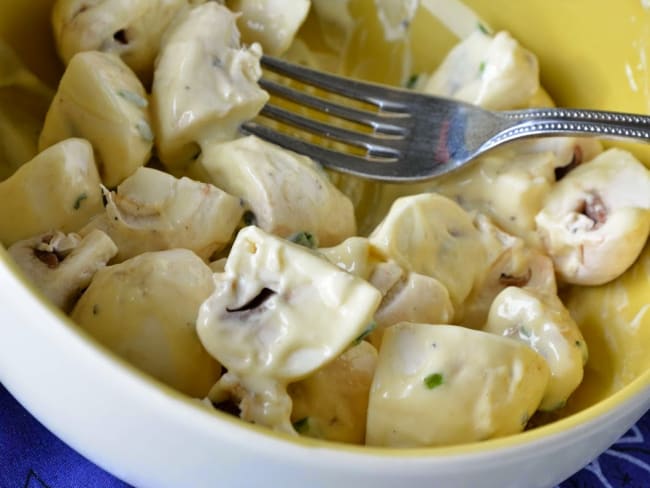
371, 143
382, 123
346, 163
389, 100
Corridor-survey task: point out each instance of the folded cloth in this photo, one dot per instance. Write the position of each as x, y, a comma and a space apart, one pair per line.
32, 457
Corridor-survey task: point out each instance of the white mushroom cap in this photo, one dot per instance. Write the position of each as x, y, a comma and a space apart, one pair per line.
61, 265
596, 220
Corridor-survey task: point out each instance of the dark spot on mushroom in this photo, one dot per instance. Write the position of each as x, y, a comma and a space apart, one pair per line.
120, 36
256, 302
250, 218
576, 161
595, 209
512, 280
47, 257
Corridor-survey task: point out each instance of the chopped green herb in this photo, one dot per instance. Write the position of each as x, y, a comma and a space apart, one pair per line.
578, 343
77, 202
481, 67
249, 218
133, 97
411, 82
524, 331
483, 28
366, 332
301, 426
304, 238
145, 130
433, 381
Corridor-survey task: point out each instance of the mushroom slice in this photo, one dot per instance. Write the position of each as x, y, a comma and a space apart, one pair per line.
596, 220
128, 29
286, 192
153, 211
494, 72
431, 235
416, 298
279, 312
510, 263
272, 23
100, 99
62, 265
542, 322
58, 189
332, 403
443, 385
145, 309
205, 84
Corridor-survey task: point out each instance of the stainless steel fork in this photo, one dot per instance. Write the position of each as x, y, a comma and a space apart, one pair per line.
413, 136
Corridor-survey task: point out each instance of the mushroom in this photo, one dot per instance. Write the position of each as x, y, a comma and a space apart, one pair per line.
205, 84
62, 265
286, 192
100, 99
355, 255
510, 263
58, 189
145, 310
414, 298
433, 236
128, 29
541, 321
443, 385
596, 220
272, 23
254, 322
494, 72
332, 402
507, 186
153, 211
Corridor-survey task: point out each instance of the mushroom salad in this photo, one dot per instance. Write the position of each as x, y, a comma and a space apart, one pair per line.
250, 278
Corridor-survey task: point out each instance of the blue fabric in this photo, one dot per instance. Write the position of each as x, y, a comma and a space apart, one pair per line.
31, 457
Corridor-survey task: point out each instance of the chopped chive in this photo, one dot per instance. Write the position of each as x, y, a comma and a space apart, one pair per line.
366, 332
80, 198
524, 331
481, 67
304, 238
413, 79
145, 130
133, 97
483, 29
302, 425
433, 381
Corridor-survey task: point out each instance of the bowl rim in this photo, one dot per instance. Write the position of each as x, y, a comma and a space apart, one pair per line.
65, 326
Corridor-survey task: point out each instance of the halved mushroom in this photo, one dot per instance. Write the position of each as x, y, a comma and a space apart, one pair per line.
153, 211
272, 23
62, 265
205, 84
145, 310
100, 99
58, 189
443, 385
286, 192
332, 403
494, 72
433, 236
131, 30
254, 322
543, 323
596, 220
510, 263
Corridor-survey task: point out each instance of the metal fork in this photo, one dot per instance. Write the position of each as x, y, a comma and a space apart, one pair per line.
413, 136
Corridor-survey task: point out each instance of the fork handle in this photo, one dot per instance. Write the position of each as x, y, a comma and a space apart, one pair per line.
560, 121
